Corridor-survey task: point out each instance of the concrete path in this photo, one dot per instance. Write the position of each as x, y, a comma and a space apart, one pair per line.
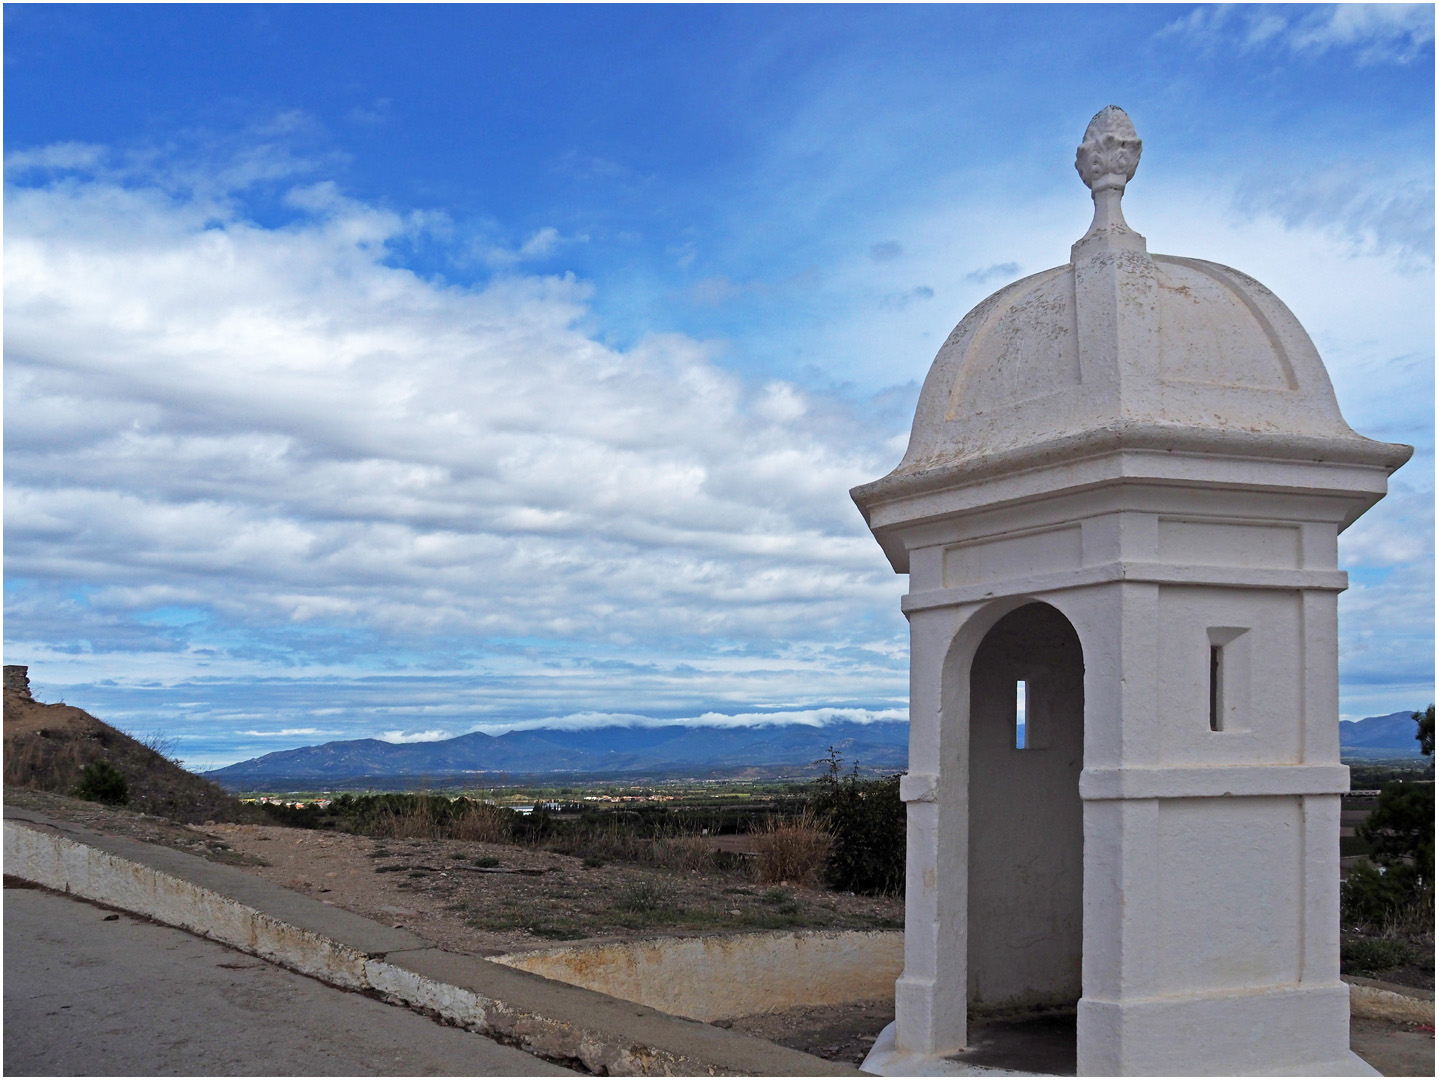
552, 1021
91, 992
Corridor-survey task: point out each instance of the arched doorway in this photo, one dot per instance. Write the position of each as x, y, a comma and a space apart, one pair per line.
1026, 821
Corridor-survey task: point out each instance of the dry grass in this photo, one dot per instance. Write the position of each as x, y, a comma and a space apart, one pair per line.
1414, 921
412, 823
690, 853
613, 843
791, 850
45, 764
485, 824
474, 822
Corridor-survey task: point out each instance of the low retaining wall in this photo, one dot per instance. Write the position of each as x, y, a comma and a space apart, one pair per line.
1373, 1000
713, 978
69, 867
568, 1024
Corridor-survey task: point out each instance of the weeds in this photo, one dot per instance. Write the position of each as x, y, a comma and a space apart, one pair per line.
647, 895
692, 854
411, 822
785, 903
482, 823
46, 764
157, 742
1374, 956
558, 931
792, 850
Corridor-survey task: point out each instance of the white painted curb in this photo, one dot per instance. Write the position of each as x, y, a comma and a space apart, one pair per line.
1376, 1003
64, 865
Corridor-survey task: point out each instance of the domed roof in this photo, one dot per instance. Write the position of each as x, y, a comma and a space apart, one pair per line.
1117, 349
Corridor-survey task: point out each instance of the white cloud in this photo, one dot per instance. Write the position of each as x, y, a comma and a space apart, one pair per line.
56, 156
329, 455
806, 717
539, 245
1378, 33
283, 733
1381, 32
414, 736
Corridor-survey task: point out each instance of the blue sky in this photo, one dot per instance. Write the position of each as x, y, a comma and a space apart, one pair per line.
406, 370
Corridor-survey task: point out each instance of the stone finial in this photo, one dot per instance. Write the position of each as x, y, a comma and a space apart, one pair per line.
1106, 161
1110, 151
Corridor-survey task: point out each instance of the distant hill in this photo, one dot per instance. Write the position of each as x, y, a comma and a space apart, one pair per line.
48, 746
1389, 736
551, 753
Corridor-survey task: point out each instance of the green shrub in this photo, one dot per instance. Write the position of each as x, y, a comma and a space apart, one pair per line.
102, 782
647, 895
1373, 956
1382, 896
1401, 827
866, 821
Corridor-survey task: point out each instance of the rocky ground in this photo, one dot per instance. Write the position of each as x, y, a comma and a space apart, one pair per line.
485, 899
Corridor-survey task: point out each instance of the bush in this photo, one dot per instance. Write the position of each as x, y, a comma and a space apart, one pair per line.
647, 895
102, 782
1401, 827
684, 853
413, 822
791, 851
1373, 956
479, 822
867, 822
1387, 898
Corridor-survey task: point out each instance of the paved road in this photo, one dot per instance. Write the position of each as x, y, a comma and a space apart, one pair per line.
87, 992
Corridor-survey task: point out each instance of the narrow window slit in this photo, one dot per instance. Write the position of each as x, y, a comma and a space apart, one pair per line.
1216, 673
1021, 712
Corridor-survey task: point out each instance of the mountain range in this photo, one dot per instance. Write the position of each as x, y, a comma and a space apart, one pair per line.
554, 753
1389, 736
614, 751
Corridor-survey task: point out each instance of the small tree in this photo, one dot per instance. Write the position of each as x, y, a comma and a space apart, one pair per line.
867, 820
1400, 833
1425, 735
102, 782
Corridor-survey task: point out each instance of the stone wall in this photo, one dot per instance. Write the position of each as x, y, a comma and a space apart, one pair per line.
17, 680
